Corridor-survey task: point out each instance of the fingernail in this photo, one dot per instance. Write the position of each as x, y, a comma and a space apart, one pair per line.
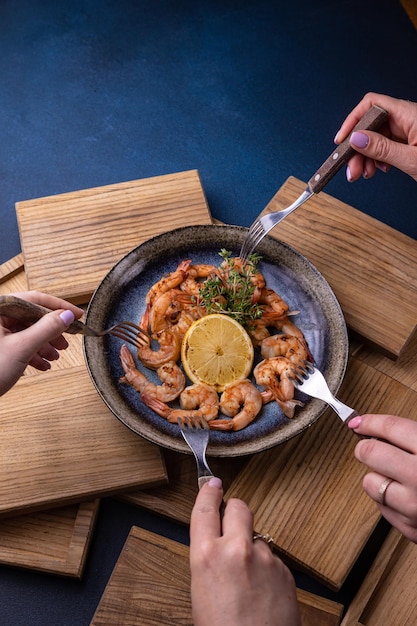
67, 317
215, 482
348, 174
355, 422
360, 140
336, 137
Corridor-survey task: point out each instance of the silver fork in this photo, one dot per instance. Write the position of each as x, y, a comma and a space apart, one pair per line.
308, 379
196, 433
31, 312
372, 119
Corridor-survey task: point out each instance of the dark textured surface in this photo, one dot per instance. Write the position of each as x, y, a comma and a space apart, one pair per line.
247, 92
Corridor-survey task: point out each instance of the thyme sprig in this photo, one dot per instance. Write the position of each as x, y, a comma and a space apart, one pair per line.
231, 289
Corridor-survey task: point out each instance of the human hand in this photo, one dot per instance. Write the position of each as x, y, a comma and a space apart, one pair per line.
395, 144
235, 580
22, 344
391, 454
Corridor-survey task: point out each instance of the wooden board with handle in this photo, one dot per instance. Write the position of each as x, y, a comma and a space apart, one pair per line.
150, 586
71, 240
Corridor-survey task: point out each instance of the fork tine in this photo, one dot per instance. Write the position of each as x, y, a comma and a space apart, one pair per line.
128, 331
255, 235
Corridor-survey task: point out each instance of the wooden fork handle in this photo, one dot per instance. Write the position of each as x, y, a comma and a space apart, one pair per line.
372, 120
19, 309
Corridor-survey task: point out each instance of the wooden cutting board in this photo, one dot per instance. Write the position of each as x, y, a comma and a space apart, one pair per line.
71, 240
388, 593
150, 586
60, 444
54, 541
371, 267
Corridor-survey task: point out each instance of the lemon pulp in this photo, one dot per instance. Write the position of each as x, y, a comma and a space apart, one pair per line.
217, 350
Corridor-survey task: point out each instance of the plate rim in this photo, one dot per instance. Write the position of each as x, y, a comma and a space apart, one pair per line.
179, 445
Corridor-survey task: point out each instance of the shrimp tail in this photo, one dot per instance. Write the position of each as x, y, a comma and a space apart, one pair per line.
288, 406
222, 424
156, 405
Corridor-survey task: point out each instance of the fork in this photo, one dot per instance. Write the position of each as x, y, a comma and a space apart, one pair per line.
31, 312
196, 433
372, 119
308, 379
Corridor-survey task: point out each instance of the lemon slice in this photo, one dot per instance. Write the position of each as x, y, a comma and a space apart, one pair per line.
217, 350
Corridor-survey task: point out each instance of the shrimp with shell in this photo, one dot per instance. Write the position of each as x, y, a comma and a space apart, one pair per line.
274, 376
171, 377
196, 401
241, 401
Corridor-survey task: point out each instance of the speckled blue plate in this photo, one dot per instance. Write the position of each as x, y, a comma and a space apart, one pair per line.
121, 296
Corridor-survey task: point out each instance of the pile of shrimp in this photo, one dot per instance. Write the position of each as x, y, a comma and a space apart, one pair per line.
172, 305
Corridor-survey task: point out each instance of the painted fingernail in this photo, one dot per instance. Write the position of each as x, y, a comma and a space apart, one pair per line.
355, 422
348, 174
215, 482
67, 317
360, 140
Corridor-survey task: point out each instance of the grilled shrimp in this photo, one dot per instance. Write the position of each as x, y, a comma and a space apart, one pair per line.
170, 375
242, 401
196, 401
273, 375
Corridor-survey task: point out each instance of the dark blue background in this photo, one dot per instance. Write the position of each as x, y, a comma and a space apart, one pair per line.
248, 92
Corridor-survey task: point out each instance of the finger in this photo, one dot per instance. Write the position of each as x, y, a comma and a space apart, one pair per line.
396, 496
50, 302
355, 168
205, 516
398, 431
358, 112
380, 148
407, 527
34, 338
387, 460
238, 519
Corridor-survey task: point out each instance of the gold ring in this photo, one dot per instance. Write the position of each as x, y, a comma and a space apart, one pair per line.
265, 538
383, 490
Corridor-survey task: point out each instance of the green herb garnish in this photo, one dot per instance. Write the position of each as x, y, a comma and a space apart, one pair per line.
231, 290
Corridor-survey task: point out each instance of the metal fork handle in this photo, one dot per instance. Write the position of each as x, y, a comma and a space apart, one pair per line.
345, 412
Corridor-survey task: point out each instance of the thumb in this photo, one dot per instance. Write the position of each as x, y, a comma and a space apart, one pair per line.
385, 150
45, 330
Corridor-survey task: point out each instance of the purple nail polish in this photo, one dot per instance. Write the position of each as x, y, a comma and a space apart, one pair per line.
359, 140
348, 174
67, 317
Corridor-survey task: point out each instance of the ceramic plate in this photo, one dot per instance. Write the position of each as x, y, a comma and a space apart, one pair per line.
121, 296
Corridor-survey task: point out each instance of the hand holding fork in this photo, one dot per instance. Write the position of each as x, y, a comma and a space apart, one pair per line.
372, 119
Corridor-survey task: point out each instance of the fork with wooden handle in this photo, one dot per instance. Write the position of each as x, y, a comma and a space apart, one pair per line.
19, 309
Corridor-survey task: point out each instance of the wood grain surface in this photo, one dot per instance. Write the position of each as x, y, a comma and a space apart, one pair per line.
54, 541
150, 586
71, 240
388, 593
310, 497
65, 446
176, 499
371, 267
